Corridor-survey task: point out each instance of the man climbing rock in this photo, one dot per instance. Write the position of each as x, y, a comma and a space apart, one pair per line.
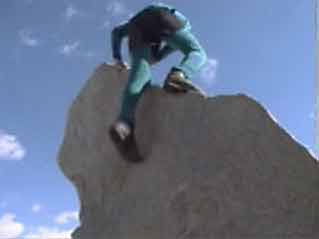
154, 33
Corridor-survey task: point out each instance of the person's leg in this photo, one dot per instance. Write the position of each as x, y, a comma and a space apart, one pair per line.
194, 55
139, 78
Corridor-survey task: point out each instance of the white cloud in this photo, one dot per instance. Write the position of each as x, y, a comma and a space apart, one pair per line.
208, 73
116, 8
9, 228
89, 54
70, 12
27, 38
66, 217
49, 233
67, 49
105, 25
36, 207
10, 147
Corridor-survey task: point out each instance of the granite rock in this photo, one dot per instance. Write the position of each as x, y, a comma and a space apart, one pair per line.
219, 167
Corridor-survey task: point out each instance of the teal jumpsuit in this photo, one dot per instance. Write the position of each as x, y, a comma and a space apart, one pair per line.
140, 75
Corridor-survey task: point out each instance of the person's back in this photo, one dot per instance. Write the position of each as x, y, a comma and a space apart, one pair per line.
157, 21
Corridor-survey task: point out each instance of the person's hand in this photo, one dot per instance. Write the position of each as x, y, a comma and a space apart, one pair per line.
121, 65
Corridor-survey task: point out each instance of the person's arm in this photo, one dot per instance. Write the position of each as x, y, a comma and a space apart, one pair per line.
117, 36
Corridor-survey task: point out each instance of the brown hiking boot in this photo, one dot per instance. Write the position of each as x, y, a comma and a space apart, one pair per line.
177, 82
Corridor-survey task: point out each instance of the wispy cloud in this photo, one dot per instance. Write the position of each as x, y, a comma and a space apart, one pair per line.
89, 54
29, 1
10, 147
70, 12
106, 24
68, 49
27, 38
36, 208
312, 115
116, 8
49, 233
66, 217
208, 73
9, 227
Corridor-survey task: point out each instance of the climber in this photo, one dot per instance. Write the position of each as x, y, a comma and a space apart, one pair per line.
154, 33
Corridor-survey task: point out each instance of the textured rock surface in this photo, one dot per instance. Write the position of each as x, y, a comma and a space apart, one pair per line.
215, 168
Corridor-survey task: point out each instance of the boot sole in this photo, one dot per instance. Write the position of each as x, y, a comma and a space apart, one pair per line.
183, 88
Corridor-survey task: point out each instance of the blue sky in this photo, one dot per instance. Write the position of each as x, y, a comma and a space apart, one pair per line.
264, 49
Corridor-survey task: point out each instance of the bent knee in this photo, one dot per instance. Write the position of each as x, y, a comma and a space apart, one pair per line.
203, 55
200, 55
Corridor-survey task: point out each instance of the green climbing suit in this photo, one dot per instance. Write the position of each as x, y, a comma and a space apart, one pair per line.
154, 33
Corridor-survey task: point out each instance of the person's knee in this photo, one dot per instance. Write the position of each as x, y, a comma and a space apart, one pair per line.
203, 56
200, 55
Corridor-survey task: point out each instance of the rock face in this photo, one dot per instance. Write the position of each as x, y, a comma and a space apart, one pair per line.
214, 168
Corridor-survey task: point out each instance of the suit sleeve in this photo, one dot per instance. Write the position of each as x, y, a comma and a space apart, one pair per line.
118, 33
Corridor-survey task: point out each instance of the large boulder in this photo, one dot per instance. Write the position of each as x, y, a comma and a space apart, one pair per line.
219, 167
